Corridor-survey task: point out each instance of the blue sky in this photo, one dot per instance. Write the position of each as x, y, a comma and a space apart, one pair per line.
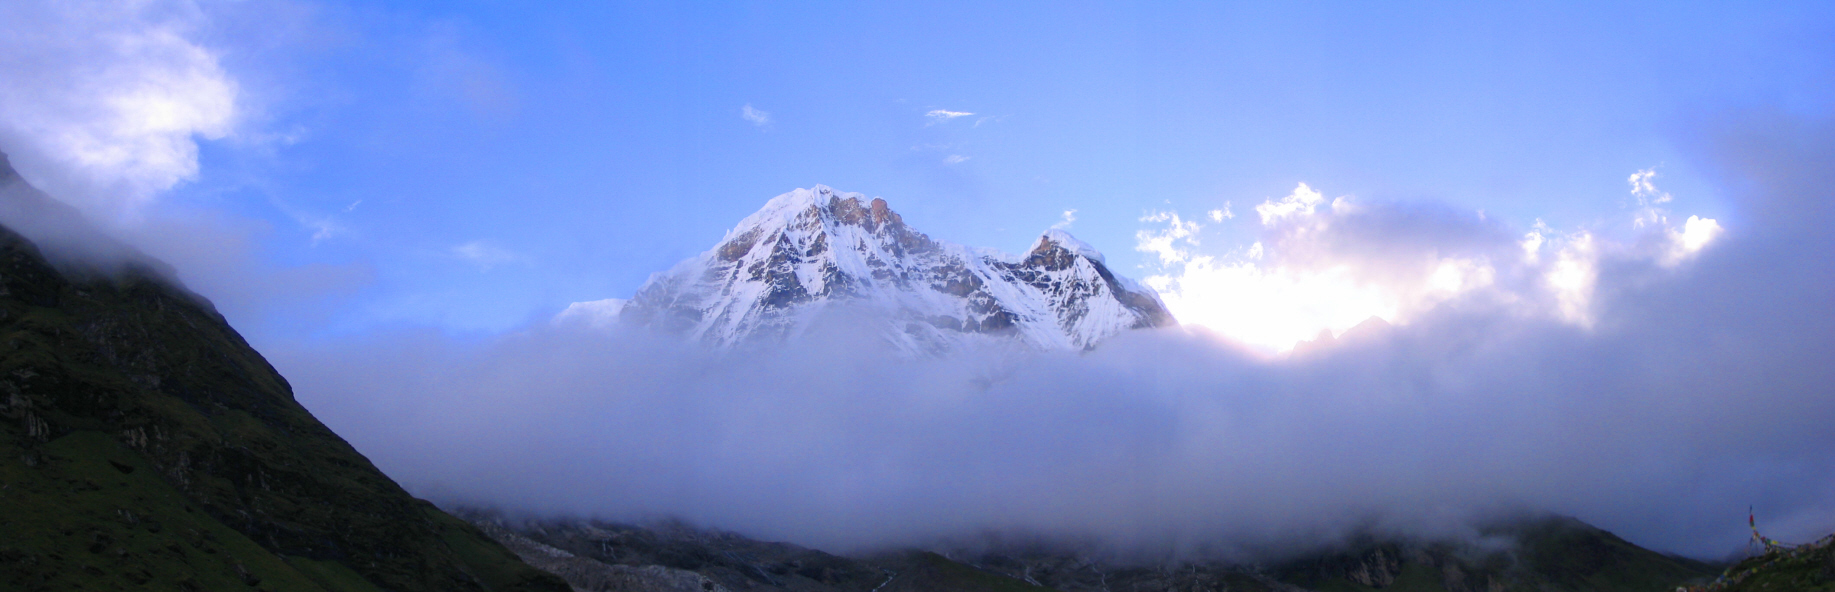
579, 148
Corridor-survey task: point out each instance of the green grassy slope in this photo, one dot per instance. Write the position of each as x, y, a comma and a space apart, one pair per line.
144, 444
1551, 554
1808, 568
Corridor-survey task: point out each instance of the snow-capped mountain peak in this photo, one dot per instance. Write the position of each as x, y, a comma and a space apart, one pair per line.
810, 249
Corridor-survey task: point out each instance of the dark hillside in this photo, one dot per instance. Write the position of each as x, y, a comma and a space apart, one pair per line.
145, 445
1804, 568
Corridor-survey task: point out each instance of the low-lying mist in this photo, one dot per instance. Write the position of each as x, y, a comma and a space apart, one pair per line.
1695, 391
1691, 391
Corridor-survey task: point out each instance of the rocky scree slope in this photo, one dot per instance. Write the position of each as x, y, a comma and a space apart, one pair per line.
810, 251
145, 445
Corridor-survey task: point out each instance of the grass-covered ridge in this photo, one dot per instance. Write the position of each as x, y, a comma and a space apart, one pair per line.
145, 445
1804, 568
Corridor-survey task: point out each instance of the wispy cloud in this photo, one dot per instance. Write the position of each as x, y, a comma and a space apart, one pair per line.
757, 117
1165, 243
1220, 215
452, 67
941, 115
1649, 199
954, 159
323, 227
484, 255
988, 119
1070, 217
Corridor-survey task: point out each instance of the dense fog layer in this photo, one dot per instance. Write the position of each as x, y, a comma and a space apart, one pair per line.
1687, 392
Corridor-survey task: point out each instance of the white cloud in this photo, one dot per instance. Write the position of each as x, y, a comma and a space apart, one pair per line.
941, 115
1070, 217
104, 102
1299, 203
954, 159
1166, 243
1532, 242
1649, 198
757, 117
1572, 277
484, 255
595, 314
1695, 235
1682, 243
1315, 271
322, 227
1220, 215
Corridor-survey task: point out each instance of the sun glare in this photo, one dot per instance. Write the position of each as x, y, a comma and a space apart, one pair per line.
1302, 281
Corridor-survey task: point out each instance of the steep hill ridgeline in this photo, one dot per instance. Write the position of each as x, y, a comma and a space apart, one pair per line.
145, 445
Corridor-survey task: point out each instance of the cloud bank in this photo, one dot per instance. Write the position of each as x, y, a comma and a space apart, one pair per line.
104, 101
1694, 389
1321, 267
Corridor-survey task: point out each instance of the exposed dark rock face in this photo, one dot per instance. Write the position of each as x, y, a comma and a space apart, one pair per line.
143, 443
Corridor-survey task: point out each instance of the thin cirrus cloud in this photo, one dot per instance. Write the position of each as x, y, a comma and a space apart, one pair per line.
754, 116
484, 255
941, 115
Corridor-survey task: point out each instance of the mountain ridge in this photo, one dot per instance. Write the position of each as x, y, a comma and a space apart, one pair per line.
1529, 553
144, 444
810, 250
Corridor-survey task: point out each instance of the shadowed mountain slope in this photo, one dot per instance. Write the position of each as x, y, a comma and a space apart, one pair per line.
145, 445
1804, 568
1541, 554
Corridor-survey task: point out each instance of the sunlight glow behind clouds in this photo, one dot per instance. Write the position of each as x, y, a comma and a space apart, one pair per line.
1321, 272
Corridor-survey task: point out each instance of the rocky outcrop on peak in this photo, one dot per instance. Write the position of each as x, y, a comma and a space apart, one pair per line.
811, 250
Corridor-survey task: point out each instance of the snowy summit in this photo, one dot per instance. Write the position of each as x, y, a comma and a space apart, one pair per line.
812, 249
